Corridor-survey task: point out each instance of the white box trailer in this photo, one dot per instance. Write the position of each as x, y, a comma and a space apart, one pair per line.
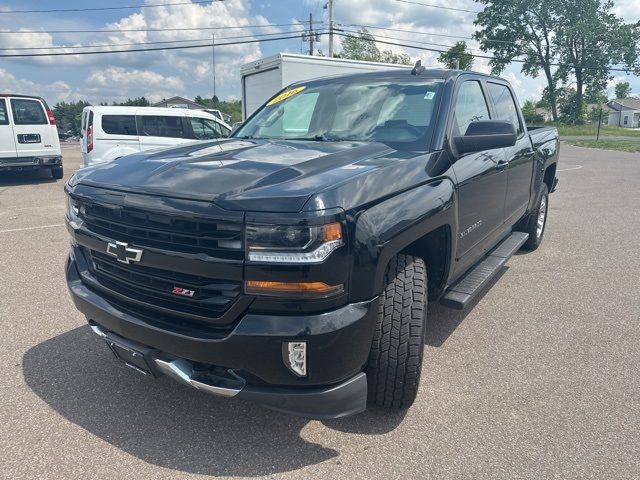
263, 78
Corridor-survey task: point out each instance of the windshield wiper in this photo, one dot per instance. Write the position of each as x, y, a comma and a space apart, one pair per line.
323, 137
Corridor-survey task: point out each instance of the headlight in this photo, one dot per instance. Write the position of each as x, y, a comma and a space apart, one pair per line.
73, 181
292, 243
75, 212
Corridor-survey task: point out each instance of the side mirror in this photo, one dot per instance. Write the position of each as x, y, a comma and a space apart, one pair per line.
486, 135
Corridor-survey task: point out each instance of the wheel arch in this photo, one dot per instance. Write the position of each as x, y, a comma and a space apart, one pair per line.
550, 175
418, 222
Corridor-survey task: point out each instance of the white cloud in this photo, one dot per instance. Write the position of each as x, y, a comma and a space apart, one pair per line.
627, 9
167, 23
117, 82
51, 92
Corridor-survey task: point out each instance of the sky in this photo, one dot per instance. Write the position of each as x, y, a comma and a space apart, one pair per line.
157, 75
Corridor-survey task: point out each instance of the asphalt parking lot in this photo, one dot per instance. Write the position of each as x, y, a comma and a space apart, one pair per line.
540, 379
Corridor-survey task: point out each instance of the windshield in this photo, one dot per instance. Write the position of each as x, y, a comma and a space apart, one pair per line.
349, 109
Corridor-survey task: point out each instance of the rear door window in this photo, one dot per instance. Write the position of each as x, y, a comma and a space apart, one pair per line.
162, 126
28, 112
505, 105
4, 116
119, 124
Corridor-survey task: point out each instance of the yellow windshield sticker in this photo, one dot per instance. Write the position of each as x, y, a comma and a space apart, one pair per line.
285, 95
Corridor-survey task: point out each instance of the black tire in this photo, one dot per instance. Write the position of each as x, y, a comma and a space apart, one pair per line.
395, 359
530, 225
57, 172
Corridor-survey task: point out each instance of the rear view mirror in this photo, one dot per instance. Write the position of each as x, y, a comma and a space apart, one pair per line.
486, 135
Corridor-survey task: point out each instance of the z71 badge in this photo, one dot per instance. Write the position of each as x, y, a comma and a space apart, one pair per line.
183, 292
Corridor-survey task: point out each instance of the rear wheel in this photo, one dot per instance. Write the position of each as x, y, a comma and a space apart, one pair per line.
57, 172
537, 221
395, 359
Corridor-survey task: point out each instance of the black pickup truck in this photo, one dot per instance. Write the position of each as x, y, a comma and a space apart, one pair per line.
292, 264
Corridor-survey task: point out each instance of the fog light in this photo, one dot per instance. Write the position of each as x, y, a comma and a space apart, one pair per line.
295, 357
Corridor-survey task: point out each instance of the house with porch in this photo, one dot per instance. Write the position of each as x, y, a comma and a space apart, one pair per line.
625, 112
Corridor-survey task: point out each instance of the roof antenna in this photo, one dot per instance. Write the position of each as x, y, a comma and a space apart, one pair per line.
418, 68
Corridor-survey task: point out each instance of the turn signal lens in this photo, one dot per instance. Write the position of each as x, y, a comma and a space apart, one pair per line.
332, 232
288, 289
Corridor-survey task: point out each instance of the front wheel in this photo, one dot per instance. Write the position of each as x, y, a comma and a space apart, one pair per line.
395, 359
537, 221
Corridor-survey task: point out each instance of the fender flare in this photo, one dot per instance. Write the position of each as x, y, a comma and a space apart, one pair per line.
385, 229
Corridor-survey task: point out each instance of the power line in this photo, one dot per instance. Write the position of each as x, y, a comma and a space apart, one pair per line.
155, 49
432, 34
239, 27
438, 6
59, 10
62, 47
405, 45
417, 41
402, 30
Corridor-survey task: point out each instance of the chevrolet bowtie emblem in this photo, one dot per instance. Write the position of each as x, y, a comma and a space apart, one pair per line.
123, 252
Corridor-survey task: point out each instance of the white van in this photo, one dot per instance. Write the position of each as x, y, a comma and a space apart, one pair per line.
113, 132
28, 135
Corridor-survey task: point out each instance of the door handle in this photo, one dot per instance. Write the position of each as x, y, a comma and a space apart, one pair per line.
502, 164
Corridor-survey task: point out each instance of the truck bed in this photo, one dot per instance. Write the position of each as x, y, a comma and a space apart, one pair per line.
541, 135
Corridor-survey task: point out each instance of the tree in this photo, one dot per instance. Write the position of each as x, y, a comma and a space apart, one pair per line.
457, 57
363, 47
511, 29
564, 40
133, 102
623, 90
230, 107
571, 112
591, 40
594, 115
360, 47
387, 56
529, 113
68, 115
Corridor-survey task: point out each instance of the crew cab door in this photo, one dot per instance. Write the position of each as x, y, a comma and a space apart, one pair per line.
481, 177
7, 139
520, 157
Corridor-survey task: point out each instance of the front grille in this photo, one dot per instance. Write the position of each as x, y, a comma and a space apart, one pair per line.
154, 286
216, 238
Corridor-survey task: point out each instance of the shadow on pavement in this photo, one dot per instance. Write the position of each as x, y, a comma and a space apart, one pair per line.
442, 321
26, 177
167, 424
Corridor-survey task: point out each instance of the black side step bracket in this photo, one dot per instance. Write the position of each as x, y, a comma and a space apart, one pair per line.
471, 284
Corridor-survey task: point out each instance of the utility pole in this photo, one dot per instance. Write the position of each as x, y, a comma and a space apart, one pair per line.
213, 62
329, 6
310, 36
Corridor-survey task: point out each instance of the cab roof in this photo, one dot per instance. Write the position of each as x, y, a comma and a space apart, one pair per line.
396, 74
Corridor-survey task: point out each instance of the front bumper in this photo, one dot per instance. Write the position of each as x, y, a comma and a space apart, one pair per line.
338, 344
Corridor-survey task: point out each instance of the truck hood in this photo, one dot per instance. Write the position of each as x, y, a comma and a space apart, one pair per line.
258, 175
